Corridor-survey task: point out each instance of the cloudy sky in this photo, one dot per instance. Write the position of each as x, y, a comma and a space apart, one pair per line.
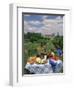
44, 24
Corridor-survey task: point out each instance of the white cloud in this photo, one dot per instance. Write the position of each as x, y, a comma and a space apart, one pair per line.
34, 22
53, 25
29, 28
58, 18
49, 26
44, 17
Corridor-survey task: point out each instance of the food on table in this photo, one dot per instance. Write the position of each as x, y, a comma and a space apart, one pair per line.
31, 60
38, 60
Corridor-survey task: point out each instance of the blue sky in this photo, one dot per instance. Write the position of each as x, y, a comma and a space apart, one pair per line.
45, 24
39, 17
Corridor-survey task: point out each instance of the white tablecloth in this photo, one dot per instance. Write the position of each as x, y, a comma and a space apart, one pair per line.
39, 68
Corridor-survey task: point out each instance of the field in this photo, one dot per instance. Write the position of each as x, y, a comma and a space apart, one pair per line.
35, 44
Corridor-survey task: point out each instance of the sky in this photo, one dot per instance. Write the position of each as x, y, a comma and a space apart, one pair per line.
44, 24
